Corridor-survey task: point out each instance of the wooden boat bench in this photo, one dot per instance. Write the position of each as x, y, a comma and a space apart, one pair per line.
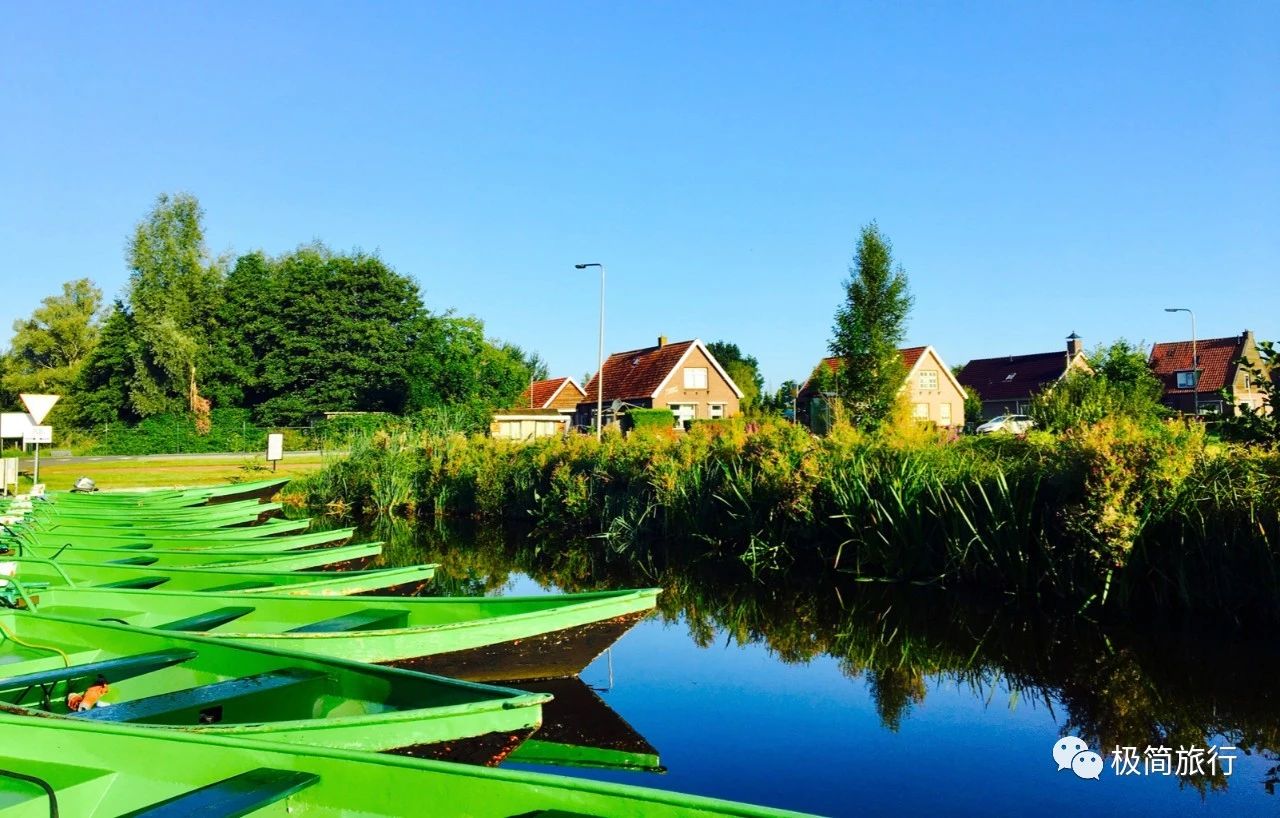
206, 621
204, 696
370, 619
239, 795
113, 670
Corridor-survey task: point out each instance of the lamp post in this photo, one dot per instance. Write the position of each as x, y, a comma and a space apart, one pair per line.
599, 354
1195, 360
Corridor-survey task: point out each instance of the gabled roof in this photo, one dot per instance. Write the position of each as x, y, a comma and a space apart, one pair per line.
910, 358
1013, 377
640, 374
544, 392
1216, 362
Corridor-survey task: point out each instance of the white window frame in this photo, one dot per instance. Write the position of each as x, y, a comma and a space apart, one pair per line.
694, 370
676, 409
916, 414
716, 411
944, 414
931, 384
1187, 379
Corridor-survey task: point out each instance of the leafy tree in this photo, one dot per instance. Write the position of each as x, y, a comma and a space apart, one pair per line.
868, 331
453, 364
102, 388
174, 294
743, 369
1121, 385
50, 348
316, 331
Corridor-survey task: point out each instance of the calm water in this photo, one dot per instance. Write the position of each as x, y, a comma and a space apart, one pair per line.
844, 700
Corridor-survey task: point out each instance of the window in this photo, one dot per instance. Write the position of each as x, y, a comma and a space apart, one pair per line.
1248, 382
1011, 376
944, 414
921, 411
695, 377
684, 412
929, 379
1186, 379
715, 410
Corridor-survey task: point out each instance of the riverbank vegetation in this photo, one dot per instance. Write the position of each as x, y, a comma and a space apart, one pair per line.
1115, 515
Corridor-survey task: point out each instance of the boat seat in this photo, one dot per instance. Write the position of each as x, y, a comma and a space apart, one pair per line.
242, 794
114, 670
151, 707
237, 586
141, 583
135, 561
206, 621
369, 619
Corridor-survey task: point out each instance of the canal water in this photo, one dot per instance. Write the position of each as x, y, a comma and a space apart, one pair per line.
843, 699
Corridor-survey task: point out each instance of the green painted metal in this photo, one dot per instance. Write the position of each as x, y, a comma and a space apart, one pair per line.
219, 688
105, 771
371, 629
223, 559
333, 583
286, 542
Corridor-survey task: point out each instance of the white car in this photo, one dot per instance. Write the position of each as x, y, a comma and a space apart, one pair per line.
1014, 424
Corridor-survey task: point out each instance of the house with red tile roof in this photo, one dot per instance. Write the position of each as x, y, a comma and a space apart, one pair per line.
1006, 385
934, 393
1217, 383
563, 394
545, 408
682, 376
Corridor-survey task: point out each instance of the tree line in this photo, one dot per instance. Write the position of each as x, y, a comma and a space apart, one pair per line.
288, 337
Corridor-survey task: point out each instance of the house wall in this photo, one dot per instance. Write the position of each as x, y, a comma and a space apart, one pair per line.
568, 399
1244, 388
717, 391
527, 427
934, 399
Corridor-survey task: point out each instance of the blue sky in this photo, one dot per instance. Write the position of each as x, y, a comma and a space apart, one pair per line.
1040, 168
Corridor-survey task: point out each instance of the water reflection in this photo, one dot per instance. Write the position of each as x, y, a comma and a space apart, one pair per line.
1113, 686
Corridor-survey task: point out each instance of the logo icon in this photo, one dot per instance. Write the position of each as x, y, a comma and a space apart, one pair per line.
1071, 753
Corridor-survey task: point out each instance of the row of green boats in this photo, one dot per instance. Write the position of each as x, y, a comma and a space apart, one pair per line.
176, 653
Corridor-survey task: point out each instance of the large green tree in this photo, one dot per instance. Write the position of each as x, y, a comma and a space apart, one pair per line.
175, 288
743, 369
869, 327
103, 387
50, 348
316, 331
455, 365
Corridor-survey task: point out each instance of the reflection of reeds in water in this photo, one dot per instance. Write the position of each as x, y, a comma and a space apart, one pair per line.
1115, 686
1114, 516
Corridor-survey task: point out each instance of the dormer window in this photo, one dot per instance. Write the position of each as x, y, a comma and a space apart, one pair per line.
1186, 379
1010, 376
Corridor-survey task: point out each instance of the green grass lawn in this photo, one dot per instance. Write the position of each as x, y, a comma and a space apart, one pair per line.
169, 472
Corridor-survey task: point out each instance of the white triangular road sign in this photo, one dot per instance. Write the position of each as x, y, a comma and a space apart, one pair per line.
38, 406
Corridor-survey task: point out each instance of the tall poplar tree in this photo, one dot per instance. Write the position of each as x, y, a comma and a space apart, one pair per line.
869, 328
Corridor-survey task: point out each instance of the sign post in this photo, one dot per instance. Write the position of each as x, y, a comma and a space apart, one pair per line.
38, 407
275, 449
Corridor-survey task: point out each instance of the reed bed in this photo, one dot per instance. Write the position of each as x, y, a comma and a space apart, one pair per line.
1110, 516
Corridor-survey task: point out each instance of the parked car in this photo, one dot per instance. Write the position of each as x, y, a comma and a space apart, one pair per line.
1014, 424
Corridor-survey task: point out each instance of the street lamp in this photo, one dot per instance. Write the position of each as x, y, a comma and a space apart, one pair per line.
1195, 360
599, 354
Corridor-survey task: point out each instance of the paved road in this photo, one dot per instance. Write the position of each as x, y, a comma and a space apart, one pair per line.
212, 457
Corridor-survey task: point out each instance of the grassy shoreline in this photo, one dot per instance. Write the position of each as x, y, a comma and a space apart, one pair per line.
170, 472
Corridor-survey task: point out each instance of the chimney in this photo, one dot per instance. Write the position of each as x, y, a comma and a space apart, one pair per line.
1246, 338
1075, 345
662, 341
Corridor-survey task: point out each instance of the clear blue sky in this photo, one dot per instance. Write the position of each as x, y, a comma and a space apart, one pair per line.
1040, 168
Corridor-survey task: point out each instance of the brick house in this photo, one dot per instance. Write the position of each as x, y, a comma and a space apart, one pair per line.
683, 376
545, 408
562, 394
1007, 384
934, 393
1219, 372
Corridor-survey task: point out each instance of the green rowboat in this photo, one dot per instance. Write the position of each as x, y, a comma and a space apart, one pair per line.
288, 542
115, 771
475, 638
224, 560
204, 686
324, 583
